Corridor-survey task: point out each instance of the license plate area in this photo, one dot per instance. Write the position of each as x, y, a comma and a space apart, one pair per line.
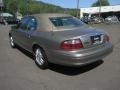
96, 39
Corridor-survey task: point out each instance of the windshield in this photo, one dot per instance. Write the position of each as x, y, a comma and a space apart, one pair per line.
66, 22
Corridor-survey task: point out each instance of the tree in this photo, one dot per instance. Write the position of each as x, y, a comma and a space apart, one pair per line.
34, 7
101, 3
10, 5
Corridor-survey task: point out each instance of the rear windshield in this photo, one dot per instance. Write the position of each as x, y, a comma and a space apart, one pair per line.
66, 22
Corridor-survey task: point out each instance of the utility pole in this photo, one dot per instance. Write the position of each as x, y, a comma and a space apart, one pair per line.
1, 5
17, 3
78, 11
1, 9
99, 8
27, 3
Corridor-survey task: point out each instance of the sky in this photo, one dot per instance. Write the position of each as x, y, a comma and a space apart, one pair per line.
72, 3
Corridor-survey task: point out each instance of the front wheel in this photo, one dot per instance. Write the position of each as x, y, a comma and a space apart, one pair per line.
12, 44
41, 58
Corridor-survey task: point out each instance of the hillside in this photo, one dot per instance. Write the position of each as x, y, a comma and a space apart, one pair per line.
33, 7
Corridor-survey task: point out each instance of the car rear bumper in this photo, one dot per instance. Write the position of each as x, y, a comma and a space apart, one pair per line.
80, 57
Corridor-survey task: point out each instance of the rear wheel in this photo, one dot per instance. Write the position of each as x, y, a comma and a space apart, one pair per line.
41, 58
12, 44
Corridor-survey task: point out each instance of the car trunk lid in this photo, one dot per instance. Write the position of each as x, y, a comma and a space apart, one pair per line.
89, 36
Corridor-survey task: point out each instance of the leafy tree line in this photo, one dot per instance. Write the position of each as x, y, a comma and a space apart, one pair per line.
33, 7
101, 2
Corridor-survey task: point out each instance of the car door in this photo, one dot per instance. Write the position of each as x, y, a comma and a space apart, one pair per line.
19, 31
16, 31
27, 32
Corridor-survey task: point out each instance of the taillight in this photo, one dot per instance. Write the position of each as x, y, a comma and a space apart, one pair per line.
71, 44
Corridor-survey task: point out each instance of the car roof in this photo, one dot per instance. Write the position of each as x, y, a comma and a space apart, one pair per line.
52, 15
6, 14
44, 23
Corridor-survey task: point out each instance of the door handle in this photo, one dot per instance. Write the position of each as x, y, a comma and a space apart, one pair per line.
28, 35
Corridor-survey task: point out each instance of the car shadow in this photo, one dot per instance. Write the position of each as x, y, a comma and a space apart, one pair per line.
25, 52
72, 71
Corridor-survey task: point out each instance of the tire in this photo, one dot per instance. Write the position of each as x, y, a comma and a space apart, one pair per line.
41, 58
12, 44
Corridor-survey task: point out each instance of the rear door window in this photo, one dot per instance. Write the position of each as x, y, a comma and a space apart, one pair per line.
28, 23
32, 23
23, 23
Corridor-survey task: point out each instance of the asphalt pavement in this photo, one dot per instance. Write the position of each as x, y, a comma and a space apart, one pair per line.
19, 72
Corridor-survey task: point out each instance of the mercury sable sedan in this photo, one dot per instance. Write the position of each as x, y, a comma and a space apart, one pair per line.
60, 39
